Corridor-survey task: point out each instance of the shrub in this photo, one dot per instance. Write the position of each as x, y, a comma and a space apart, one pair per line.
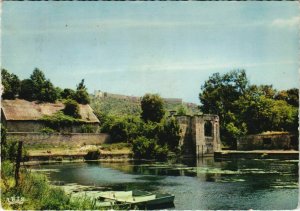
47, 130
87, 129
59, 120
144, 148
71, 108
149, 149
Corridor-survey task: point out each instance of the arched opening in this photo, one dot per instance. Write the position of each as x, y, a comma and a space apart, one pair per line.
208, 129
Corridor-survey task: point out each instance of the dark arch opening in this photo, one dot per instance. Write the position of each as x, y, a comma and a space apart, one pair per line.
207, 129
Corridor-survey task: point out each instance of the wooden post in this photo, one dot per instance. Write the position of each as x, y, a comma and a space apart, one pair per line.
18, 161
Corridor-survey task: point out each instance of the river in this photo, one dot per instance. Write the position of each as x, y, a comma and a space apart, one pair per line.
200, 184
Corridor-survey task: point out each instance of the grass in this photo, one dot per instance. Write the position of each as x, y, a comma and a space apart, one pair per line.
50, 150
36, 192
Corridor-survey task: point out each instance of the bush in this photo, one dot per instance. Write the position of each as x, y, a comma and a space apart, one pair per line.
87, 129
38, 193
144, 148
170, 134
59, 120
47, 130
149, 149
71, 108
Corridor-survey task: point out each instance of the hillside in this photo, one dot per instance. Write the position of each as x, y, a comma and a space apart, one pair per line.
123, 106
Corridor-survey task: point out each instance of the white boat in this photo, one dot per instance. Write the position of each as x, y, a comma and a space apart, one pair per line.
136, 198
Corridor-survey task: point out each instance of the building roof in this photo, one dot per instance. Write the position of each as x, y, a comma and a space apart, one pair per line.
25, 110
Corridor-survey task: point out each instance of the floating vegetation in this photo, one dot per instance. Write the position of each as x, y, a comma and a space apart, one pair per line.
231, 180
206, 170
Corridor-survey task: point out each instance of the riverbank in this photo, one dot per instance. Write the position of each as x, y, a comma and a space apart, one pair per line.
46, 154
257, 154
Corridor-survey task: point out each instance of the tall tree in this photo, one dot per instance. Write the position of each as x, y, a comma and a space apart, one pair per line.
26, 91
218, 95
291, 96
81, 95
152, 108
248, 109
11, 84
43, 89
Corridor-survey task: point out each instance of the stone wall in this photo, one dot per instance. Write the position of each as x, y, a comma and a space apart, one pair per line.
72, 140
195, 139
37, 126
267, 141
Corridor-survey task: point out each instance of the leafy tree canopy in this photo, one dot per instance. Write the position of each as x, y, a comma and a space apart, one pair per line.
11, 84
81, 95
248, 109
152, 108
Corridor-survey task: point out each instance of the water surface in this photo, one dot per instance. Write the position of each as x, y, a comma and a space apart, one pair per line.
200, 184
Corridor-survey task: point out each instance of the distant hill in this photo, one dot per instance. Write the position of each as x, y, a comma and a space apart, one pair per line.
122, 105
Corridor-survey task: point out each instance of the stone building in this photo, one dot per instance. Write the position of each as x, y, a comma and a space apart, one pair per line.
200, 134
24, 116
268, 141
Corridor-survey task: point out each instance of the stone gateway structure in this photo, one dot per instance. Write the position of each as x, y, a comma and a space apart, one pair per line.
200, 134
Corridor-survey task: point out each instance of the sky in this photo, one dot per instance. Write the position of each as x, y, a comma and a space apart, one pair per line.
169, 48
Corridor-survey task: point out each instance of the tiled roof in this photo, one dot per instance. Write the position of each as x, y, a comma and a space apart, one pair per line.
25, 110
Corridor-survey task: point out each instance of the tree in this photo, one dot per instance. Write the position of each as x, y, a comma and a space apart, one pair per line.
182, 110
248, 109
152, 108
68, 93
72, 108
218, 95
11, 84
291, 96
81, 95
43, 90
26, 91
48, 93
170, 134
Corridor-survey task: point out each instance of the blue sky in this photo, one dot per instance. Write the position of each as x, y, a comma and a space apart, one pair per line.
134, 48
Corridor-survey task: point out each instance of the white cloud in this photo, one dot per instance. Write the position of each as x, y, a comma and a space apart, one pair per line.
294, 21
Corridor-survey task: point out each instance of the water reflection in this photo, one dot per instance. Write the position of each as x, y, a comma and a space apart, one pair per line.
197, 184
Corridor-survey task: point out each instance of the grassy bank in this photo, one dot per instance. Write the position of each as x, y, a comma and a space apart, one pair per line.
80, 151
35, 193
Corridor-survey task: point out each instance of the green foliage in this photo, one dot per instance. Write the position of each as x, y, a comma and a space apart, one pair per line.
11, 84
71, 108
291, 96
123, 129
152, 108
38, 193
182, 110
87, 128
43, 90
248, 109
169, 134
81, 95
26, 91
145, 148
68, 94
8, 147
59, 120
47, 130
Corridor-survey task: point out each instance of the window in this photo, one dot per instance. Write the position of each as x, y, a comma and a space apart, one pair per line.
208, 129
